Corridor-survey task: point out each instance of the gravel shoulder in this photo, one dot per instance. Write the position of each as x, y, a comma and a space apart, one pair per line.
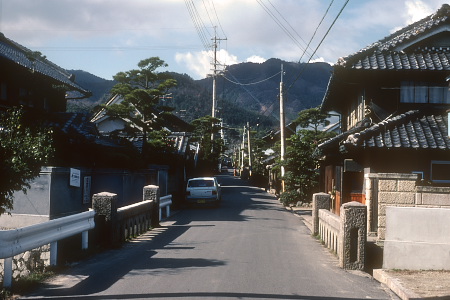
426, 284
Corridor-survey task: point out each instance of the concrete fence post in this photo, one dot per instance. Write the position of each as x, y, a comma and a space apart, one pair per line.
105, 206
353, 236
320, 201
151, 192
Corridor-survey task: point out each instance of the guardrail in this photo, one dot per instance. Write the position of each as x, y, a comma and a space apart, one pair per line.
165, 201
20, 240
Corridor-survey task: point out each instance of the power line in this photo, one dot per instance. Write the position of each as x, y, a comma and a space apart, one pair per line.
253, 83
282, 26
317, 28
207, 13
292, 28
254, 98
217, 17
198, 24
321, 41
113, 48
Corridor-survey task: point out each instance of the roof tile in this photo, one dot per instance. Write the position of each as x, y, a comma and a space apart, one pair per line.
412, 130
26, 58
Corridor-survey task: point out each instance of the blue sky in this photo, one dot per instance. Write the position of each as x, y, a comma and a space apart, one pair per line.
104, 37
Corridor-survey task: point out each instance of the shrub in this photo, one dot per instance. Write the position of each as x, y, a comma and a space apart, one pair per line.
289, 197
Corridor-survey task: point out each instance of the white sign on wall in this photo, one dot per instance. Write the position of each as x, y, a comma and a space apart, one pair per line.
75, 177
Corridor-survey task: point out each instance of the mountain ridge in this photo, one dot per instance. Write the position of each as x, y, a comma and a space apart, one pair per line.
246, 92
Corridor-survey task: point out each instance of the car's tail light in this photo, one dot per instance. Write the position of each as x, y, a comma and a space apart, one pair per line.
214, 192
188, 193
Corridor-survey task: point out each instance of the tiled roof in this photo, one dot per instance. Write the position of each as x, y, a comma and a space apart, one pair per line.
170, 121
26, 58
388, 52
413, 130
425, 59
78, 124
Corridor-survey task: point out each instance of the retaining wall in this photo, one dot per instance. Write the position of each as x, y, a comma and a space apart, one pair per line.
398, 190
417, 238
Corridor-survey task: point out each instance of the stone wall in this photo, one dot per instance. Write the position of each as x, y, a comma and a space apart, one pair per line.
28, 262
399, 190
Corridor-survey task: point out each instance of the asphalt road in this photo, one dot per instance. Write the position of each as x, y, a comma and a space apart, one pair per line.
249, 248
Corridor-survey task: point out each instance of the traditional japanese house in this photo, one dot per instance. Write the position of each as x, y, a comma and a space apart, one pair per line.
393, 97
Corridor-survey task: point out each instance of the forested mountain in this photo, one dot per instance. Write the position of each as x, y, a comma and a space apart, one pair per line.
99, 88
246, 92
256, 87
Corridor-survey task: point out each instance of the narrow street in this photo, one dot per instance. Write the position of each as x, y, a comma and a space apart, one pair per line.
249, 248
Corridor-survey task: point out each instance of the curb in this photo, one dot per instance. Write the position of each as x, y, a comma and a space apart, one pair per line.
394, 285
307, 220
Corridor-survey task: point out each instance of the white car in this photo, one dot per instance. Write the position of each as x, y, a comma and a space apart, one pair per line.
203, 190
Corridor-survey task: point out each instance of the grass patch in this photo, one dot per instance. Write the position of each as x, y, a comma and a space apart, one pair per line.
27, 284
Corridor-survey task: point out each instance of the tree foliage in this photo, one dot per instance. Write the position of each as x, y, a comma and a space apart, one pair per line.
141, 90
211, 149
24, 149
312, 118
302, 177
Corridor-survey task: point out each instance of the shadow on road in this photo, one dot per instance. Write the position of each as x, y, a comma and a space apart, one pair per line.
99, 273
206, 295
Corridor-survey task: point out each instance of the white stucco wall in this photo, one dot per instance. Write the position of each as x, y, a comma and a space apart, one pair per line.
417, 238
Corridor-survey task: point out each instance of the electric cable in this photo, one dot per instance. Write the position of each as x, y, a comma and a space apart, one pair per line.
321, 41
317, 28
198, 24
292, 28
254, 98
283, 27
253, 83
207, 13
217, 17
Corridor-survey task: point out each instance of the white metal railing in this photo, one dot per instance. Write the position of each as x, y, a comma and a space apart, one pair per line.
20, 240
165, 201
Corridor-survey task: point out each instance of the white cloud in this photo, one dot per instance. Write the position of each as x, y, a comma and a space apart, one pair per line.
256, 59
107, 36
417, 10
320, 59
200, 63
196, 62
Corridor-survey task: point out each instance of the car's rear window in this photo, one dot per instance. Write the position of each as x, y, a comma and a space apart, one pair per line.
201, 183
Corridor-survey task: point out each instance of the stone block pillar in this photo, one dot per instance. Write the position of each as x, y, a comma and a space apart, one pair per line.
105, 206
320, 201
353, 236
151, 192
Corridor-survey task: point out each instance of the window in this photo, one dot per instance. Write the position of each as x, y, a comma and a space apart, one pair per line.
423, 92
440, 171
356, 112
201, 183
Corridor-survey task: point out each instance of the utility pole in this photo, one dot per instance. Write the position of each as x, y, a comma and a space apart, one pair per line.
249, 150
282, 127
215, 71
242, 150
